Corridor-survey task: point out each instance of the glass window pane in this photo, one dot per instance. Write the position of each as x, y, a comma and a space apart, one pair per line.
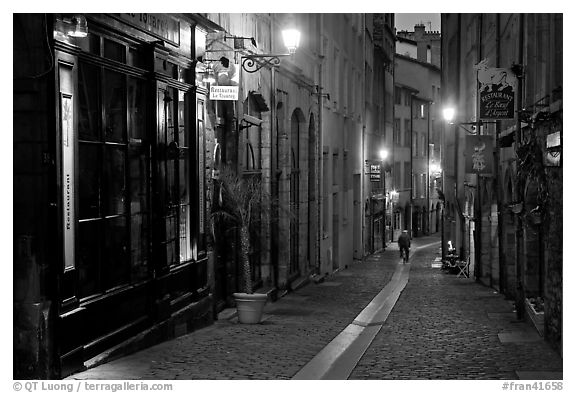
88, 257
138, 178
114, 51
114, 105
88, 106
115, 264
171, 252
114, 172
137, 109
182, 136
139, 248
136, 58
171, 220
184, 172
89, 179
185, 251
171, 69
90, 44
170, 121
171, 236
171, 190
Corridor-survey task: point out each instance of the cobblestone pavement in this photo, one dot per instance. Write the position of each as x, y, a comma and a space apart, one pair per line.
294, 329
447, 327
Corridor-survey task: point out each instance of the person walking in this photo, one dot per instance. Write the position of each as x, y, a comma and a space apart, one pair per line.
404, 244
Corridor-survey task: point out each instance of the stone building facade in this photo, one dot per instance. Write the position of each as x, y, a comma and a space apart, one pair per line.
418, 140
509, 222
119, 138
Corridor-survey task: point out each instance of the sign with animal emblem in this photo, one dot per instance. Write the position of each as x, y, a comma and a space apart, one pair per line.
497, 89
479, 154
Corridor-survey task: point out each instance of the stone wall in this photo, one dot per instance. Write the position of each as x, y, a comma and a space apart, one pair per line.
553, 251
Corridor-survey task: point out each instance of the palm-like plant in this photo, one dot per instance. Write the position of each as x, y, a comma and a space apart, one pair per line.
238, 205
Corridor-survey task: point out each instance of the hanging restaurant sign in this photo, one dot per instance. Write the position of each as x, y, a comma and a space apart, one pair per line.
374, 173
479, 154
227, 79
497, 87
225, 93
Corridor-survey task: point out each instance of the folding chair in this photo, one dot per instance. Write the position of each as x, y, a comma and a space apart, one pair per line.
464, 268
449, 262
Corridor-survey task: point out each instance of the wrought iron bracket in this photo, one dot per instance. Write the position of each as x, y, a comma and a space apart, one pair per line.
253, 63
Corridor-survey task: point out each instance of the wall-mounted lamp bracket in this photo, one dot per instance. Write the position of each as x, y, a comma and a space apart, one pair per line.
473, 124
253, 63
318, 88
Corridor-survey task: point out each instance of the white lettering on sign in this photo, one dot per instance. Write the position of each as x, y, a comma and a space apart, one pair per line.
226, 93
161, 25
68, 206
67, 129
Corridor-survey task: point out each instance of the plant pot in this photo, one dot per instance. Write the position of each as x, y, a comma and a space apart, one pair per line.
537, 318
250, 306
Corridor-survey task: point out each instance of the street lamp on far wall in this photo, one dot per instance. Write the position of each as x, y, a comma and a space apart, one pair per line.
448, 113
383, 155
435, 169
394, 195
253, 63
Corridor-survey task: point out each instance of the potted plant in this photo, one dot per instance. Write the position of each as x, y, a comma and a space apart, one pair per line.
238, 206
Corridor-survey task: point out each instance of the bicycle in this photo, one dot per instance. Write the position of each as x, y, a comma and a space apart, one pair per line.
405, 255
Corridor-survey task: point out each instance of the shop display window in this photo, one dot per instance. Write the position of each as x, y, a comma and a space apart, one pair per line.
113, 178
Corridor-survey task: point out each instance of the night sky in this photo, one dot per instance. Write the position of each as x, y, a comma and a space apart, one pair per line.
407, 21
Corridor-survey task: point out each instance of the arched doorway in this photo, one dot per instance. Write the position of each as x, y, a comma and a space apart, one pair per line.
533, 243
295, 157
508, 236
407, 218
312, 212
438, 218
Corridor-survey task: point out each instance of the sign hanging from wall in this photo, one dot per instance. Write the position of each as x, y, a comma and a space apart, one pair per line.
497, 88
374, 173
225, 93
227, 79
479, 154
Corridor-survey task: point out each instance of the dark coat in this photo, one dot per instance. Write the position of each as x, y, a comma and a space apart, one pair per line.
404, 240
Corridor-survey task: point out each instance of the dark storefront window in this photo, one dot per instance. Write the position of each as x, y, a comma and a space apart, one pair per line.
174, 177
114, 51
113, 157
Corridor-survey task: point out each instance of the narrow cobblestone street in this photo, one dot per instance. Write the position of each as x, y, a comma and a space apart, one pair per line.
448, 327
442, 327
294, 329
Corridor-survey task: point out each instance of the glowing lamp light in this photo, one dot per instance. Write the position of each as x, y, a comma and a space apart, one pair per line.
79, 27
435, 168
291, 39
448, 114
383, 154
